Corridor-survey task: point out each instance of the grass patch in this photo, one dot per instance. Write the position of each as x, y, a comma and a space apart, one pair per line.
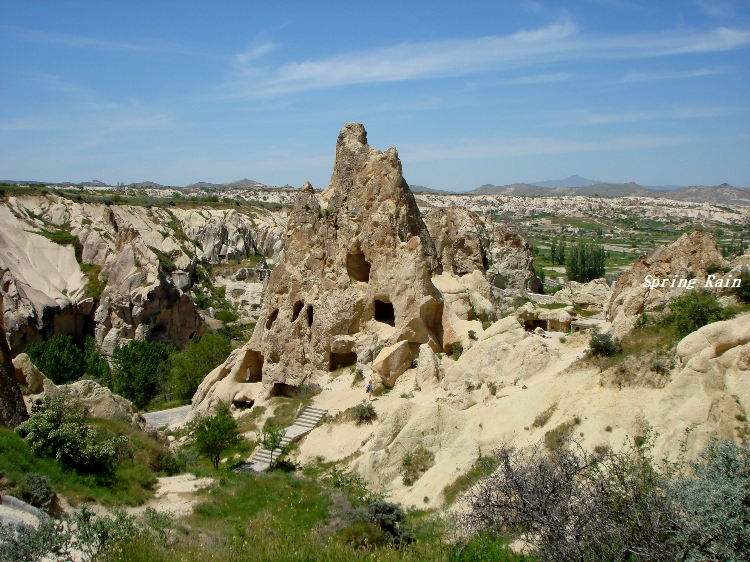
415, 464
483, 466
96, 285
552, 305
131, 483
542, 419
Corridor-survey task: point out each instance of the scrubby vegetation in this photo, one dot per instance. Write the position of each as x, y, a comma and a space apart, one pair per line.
135, 370
214, 433
188, 368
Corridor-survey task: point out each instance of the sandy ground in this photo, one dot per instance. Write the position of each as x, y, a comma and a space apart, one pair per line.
174, 494
10, 516
166, 418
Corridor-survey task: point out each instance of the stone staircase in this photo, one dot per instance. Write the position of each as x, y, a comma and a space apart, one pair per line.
305, 423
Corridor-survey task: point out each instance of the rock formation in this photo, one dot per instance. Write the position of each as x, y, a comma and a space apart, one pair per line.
686, 258
355, 273
144, 256
465, 244
594, 294
12, 406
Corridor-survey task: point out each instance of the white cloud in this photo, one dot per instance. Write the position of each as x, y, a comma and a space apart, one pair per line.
586, 117
475, 149
541, 78
253, 53
459, 57
667, 75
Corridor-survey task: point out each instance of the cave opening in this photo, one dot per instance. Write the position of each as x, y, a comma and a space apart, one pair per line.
385, 313
310, 316
271, 319
253, 366
358, 267
298, 306
342, 360
283, 389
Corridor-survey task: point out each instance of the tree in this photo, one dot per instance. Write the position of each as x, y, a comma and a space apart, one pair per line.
135, 370
270, 439
213, 434
57, 428
59, 358
694, 310
189, 367
12, 407
97, 368
585, 262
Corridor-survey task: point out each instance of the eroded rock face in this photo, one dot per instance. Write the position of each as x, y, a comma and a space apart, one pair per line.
355, 272
466, 244
146, 258
594, 294
12, 406
687, 257
710, 393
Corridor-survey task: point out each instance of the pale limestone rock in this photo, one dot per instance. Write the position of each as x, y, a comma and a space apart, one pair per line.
706, 398
27, 374
593, 294
429, 370
556, 320
391, 362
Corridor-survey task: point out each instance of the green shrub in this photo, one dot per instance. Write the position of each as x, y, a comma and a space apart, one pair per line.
456, 351
359, 377
364, 412
226, 316
694, 310
605, 344
353, 485
61, 360
212, 434
37, 490
135, 367
187, 368
390, 518
415, 464
743, 291
57, 428
714, 268
485, 547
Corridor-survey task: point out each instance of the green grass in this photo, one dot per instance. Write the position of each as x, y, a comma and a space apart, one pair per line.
131, 483
95, 285
552, 305
483, 466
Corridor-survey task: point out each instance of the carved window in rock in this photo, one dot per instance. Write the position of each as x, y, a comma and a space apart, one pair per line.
385, 313
253, 366
358, 267
298, 306
272, 318
310, 316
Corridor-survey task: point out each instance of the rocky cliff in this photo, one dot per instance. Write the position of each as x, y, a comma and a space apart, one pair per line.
465, 243
142, 257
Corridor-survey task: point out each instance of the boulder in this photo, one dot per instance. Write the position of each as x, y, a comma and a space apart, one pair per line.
429, 370
392, 361
28, 375
593, 294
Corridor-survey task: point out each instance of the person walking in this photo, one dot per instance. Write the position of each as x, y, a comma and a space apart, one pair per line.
369, 390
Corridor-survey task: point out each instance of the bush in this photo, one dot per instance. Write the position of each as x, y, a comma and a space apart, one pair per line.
354, 487
364, 412
136, 364
456, 351
57, 428
213, 434
415, 464
605, 344
226, 316
743, 291
570, 505
694, 310
61, 360
390, 518
716, 504
189, 367
37, 490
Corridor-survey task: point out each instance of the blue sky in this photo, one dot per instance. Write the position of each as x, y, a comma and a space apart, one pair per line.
469, 92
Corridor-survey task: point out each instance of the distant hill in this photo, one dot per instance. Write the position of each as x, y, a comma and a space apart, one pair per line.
570, 181
229, 185
716, 194
145, 185
423, 189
